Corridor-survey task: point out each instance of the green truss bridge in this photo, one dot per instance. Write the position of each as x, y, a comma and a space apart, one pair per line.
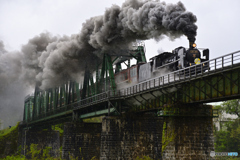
71, 102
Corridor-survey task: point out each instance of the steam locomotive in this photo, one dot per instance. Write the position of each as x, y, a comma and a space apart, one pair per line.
179, 58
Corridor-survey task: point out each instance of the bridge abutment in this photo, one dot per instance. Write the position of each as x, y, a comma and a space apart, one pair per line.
130, 136
181, 132
81, 140
43, 139
188, 134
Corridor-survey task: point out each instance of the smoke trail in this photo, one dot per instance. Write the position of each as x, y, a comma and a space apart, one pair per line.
111, 32
49, 61
12, 89
2, 49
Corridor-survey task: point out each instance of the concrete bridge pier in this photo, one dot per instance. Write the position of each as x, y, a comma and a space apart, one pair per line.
81, 140
188, 133
43, 138
128, 137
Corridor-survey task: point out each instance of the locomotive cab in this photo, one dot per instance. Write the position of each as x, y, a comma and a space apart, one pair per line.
163, 60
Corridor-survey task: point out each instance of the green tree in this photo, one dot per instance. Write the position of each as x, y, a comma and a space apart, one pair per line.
229, 139
232, 107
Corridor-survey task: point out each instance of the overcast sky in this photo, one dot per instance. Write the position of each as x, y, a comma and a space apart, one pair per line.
218, 22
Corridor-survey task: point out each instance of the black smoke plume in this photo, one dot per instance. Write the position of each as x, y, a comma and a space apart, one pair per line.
50, 61
112, 32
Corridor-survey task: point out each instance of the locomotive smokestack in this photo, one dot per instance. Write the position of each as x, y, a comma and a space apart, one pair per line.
191, 45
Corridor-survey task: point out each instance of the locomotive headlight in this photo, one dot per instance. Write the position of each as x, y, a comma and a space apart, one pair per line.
194, 45
197, 61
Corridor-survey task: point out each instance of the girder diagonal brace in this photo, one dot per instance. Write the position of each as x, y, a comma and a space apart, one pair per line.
168, 94
200, 89
114, 107
138, 101
145, 100
213, 86
141, 101
186, 94
230, 79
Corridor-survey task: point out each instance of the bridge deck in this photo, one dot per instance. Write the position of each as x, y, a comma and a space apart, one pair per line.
221, 81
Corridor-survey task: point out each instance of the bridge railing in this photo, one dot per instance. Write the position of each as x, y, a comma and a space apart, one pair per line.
225, 61
206, 67
51, 112
82, 103
94, 98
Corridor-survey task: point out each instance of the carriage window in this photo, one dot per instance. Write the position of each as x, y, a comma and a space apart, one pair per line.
133, 72
125, 75
158, 62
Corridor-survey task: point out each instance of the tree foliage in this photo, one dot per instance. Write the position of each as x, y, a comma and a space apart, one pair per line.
229, 140
232, 107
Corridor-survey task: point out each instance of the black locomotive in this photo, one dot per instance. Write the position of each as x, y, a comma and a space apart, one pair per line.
179, 58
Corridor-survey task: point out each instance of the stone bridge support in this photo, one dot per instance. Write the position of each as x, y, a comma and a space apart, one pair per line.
128, 137
43, 139
81, 140
188, 134
181, 132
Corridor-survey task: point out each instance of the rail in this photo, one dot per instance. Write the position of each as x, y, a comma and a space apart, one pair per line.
188, 73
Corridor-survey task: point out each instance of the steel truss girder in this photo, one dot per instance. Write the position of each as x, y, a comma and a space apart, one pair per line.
215, 87
212, 86
154, 102
222, 86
